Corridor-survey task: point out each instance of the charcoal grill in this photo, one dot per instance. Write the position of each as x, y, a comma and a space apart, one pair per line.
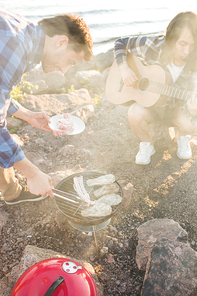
73, 211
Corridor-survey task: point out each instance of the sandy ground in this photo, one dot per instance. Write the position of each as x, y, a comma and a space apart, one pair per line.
166, 188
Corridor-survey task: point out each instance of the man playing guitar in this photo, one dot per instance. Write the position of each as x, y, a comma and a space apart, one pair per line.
176, 52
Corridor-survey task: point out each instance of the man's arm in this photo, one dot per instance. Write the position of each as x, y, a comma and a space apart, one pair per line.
37, 119
38, 182
145, 47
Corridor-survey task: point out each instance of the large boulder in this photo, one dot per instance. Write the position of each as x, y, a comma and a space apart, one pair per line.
3, 217
92, 80
171, 270
41, 82
55, 103
170, 263
104, 60
150, 232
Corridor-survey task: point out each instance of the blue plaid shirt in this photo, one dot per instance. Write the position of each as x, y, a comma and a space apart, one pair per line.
21, 47
149, 49
146, 47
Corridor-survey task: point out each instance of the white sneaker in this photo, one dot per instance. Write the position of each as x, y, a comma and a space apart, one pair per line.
183, 147
145, 152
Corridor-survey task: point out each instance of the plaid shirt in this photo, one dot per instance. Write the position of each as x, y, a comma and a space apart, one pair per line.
21, 47
149, 49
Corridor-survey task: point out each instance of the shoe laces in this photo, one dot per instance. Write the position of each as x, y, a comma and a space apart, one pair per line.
144, 147
184, 142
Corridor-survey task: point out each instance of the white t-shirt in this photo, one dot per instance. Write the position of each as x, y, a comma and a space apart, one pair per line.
175, 71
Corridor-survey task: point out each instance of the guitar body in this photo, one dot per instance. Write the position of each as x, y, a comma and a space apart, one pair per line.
138, 92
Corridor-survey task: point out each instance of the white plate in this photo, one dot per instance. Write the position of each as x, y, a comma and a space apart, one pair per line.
79, 125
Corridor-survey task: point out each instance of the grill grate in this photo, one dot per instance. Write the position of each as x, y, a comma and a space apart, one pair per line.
73, 211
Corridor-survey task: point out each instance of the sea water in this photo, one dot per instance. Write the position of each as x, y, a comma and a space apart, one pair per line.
107, 20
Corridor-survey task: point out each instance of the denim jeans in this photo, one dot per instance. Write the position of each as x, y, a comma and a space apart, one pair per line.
9, 185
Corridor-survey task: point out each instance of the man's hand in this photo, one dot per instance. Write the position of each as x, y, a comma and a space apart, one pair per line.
128, 76
38, 182
40, 120
36, 119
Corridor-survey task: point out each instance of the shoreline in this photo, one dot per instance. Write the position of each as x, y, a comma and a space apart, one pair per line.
105, 45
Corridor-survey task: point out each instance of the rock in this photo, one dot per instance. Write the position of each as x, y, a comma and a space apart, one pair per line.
36, 78
45, 103
81, 66
110, 259
127, 192
104, 251
51, 82
39, 88
36, 74
3, 218
60, 175
104, 60
71, 151
150, 232
54, 104
31, 256
13, 122
91, 80
79, 97
171, 270
55, 81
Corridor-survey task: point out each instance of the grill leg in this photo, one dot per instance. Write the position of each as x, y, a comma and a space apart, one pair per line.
97, 248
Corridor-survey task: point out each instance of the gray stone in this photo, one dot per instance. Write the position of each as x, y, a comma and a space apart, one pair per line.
127, 193
153, 230
54, 104
51, 82
171, 270
13, 122
3, 218
55, 81
104, 60
81, 66
58, 176
90, 79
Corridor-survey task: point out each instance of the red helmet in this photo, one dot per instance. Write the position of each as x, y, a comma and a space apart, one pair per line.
55, 277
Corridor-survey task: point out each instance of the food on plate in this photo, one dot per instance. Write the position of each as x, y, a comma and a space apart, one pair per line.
99, 209
106, 189
110, 199
102, 180
81, 191
65, 125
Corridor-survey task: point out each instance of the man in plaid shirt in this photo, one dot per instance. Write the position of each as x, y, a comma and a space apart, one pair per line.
176, 53
58, 43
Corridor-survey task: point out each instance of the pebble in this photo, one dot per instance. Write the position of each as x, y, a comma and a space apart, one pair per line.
104, 251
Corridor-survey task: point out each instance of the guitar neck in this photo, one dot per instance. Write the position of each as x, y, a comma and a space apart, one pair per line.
170, 91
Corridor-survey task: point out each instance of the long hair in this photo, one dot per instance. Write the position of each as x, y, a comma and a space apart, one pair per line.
72, 26
186, 19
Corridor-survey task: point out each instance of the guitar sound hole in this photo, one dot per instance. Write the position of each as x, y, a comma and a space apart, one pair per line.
143, 84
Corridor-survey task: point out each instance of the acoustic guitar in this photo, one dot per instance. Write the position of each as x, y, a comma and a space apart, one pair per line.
152, 87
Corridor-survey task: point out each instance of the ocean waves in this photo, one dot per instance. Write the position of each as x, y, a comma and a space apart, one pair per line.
107, 21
